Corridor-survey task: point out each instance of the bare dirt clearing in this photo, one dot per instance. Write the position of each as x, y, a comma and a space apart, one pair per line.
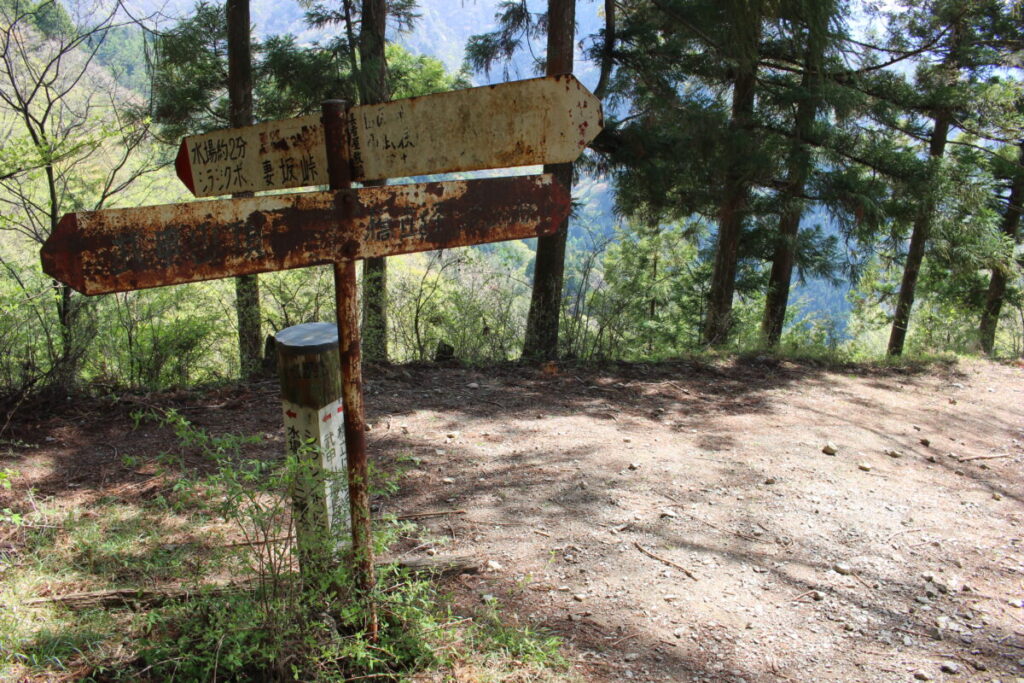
678, 521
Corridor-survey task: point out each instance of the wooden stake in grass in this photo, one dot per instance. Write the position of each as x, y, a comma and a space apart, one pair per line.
308, 367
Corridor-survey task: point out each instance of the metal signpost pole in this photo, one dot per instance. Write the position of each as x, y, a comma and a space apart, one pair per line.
347, 311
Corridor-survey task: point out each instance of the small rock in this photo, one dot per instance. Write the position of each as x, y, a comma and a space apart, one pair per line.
448, 480
473, 385
486, 598
634, 465
494, 565
996, 495
926, 442
842, 568
949, 667
579, 597
631, 657
830, 449
452, 435
864, 467
817, 596
922, 676
892, 453
669, 514
932, 458
770, 480
431, 551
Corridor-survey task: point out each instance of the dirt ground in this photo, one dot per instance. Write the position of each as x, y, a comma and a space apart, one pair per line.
680, 521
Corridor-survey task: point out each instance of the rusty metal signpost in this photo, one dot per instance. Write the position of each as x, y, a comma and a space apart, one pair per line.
543, 120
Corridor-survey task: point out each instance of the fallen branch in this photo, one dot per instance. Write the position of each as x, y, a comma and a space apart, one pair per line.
139, 598
670, 563
984, 457
435, 513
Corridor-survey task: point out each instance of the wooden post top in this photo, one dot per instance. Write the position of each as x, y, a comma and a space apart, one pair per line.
307, 338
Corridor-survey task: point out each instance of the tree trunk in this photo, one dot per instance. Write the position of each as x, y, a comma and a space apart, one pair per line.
545, 302
373, 89
918, 241
997, 285
247, 288
735, 196
607, 50
798, 168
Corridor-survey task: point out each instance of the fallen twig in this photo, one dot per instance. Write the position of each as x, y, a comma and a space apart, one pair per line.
713, 526
984, 457
865, 583
670, 563
433, 513
901, 531
137, 597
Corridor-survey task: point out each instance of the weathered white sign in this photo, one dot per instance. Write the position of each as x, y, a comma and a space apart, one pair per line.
537, 121
325, 429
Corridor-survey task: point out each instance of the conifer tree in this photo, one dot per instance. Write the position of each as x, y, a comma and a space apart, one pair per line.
967, 36
247, 289
1002, 272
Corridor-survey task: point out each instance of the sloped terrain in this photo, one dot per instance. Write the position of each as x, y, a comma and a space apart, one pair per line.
677, 521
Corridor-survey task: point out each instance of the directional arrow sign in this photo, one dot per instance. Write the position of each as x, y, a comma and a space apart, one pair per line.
537, 121
119, 250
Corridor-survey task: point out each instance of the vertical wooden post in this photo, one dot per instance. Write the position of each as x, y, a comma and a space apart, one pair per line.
335, 118
308, 367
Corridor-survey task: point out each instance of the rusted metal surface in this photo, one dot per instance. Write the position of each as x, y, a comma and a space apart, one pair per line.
536, 121
121, 250
346, 305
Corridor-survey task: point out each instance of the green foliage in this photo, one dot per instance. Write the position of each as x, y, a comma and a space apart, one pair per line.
46, 16
472, 299
190, 74
650, 303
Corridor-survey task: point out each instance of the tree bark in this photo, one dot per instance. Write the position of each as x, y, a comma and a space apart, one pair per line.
997, 285
541, 341
798, 168
918, 242
607, 50
247, 288
373, 89
732, 210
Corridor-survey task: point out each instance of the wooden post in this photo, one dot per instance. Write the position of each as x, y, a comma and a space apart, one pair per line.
308, 367
335, 118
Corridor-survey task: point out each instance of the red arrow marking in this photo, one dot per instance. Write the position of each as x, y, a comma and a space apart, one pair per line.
291, 413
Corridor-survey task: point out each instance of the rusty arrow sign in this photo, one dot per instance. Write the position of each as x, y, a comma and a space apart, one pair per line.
536, 121
119, 250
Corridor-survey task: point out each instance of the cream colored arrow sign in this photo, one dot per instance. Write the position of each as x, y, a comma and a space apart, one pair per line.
537, 121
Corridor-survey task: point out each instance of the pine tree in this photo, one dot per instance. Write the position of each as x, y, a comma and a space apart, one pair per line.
542, 320
816, 33
966, 36
247, 288
373, 89
1003, 272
